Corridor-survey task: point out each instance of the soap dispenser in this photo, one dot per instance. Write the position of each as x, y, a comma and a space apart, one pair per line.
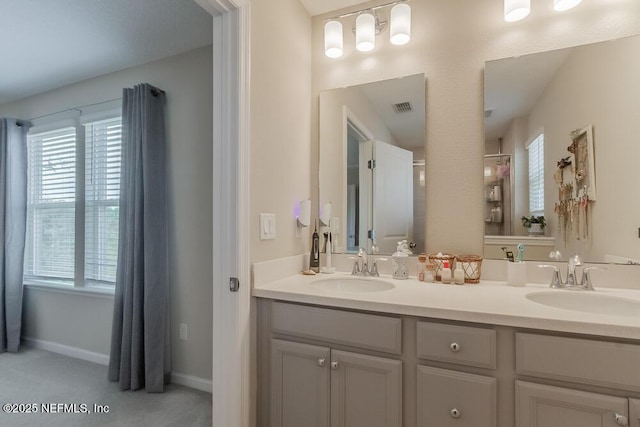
400, 261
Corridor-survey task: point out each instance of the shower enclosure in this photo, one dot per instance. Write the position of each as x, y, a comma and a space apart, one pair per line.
498, 195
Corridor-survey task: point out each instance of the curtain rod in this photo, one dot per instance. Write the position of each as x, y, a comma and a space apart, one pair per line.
79, 109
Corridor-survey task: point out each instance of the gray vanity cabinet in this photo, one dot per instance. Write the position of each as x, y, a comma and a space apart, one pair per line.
316, 380
366, 391
449, 398
547, 406
634, 412
299, 384
319, 387
613, 367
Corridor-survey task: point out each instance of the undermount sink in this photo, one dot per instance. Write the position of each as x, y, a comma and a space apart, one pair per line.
587, 302
353, 284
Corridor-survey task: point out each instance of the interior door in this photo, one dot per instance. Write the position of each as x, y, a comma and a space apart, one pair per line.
392, 196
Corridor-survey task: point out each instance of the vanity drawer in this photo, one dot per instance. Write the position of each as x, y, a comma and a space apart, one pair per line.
370, 331
463, 345
601, 363
450, 398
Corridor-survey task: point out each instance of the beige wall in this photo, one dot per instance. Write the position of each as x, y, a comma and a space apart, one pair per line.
85, 321
280, 124
451, 40
597, 85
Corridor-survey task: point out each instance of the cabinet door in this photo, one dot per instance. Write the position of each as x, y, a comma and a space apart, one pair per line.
634, 412
366, 391
299, 385
455, 399
546, 406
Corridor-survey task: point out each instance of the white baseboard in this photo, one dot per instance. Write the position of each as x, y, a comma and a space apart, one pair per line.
78, 353
191, 381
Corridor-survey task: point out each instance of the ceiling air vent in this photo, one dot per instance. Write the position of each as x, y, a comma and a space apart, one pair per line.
403, 107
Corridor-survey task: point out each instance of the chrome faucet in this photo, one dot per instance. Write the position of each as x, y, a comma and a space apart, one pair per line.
574, 262
572, 281
361, 265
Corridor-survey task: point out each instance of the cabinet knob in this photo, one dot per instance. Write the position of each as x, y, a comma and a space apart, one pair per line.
455, 347
455, 413
621, 420
334, 365
322, 362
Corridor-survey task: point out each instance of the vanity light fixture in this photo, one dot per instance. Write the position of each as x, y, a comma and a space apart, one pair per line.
365, 32
333, 39
368, 24
400, 24
561, 5
515, 10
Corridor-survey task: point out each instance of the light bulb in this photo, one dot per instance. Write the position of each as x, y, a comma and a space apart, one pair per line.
365, 32
400, 31
333, 39
561, 5
515, 10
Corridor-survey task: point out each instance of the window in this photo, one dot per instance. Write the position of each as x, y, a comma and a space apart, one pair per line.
536, 175
72, 217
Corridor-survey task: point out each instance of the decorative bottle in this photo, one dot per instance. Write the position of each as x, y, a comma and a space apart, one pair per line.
445, 274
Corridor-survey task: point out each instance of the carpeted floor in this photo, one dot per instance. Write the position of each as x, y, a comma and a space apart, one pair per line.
43, 380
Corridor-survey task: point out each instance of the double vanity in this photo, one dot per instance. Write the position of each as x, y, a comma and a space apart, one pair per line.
351, 351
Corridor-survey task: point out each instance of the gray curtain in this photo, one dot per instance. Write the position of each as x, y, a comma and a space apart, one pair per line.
140, 345
13, 218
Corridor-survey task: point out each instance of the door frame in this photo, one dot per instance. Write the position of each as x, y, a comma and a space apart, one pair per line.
231, 373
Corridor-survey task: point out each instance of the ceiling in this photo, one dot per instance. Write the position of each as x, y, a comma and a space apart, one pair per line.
407, 128
319, 7
513, 85
49, 44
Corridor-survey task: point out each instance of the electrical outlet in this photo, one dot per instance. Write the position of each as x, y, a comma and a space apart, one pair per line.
184, 333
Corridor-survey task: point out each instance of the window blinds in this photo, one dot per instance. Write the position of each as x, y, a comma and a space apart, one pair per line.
536, 176
50, 239
102, 194
55, 157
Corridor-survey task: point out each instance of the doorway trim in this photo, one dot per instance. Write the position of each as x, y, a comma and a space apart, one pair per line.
231, 397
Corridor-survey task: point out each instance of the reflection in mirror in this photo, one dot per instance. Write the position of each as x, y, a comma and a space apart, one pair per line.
372, 164
566, 123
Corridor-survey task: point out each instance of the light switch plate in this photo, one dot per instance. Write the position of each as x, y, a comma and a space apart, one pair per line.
267, 226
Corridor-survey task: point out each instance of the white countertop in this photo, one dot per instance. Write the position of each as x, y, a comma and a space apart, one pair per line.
487, 302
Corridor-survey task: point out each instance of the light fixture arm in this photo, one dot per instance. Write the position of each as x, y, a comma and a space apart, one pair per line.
373, 9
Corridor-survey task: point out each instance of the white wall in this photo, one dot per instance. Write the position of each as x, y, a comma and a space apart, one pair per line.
280, 124
85, 321
597, 85
451, 40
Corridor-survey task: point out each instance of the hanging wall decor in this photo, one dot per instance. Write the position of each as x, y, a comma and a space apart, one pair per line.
584, 169
576, 180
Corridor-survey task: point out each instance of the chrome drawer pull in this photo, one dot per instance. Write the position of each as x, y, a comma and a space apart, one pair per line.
334, 365
455, 413
621, 420
455, 347
321, 362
